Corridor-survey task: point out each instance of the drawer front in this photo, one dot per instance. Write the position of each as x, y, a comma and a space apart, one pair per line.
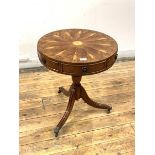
84, 69
98, 67
52, 65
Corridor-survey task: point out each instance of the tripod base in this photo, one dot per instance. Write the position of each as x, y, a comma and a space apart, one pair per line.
76, 92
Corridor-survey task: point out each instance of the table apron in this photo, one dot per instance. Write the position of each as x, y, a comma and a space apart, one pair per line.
78, 69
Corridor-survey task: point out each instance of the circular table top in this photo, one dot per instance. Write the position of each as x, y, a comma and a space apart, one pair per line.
77, 46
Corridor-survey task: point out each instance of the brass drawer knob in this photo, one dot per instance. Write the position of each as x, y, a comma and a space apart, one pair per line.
116, 56
84, 69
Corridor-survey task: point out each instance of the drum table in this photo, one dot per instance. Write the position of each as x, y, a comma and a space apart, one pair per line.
77, 52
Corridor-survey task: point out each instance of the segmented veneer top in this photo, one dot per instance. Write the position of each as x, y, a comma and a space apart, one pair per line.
77, 46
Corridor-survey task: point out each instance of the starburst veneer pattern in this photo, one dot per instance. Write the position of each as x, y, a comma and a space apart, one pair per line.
73, 44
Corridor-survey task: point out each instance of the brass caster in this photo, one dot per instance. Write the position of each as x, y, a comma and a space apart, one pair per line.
56, 131
109, 110
59, 91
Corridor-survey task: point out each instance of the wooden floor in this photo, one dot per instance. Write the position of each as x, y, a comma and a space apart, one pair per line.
88, 131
